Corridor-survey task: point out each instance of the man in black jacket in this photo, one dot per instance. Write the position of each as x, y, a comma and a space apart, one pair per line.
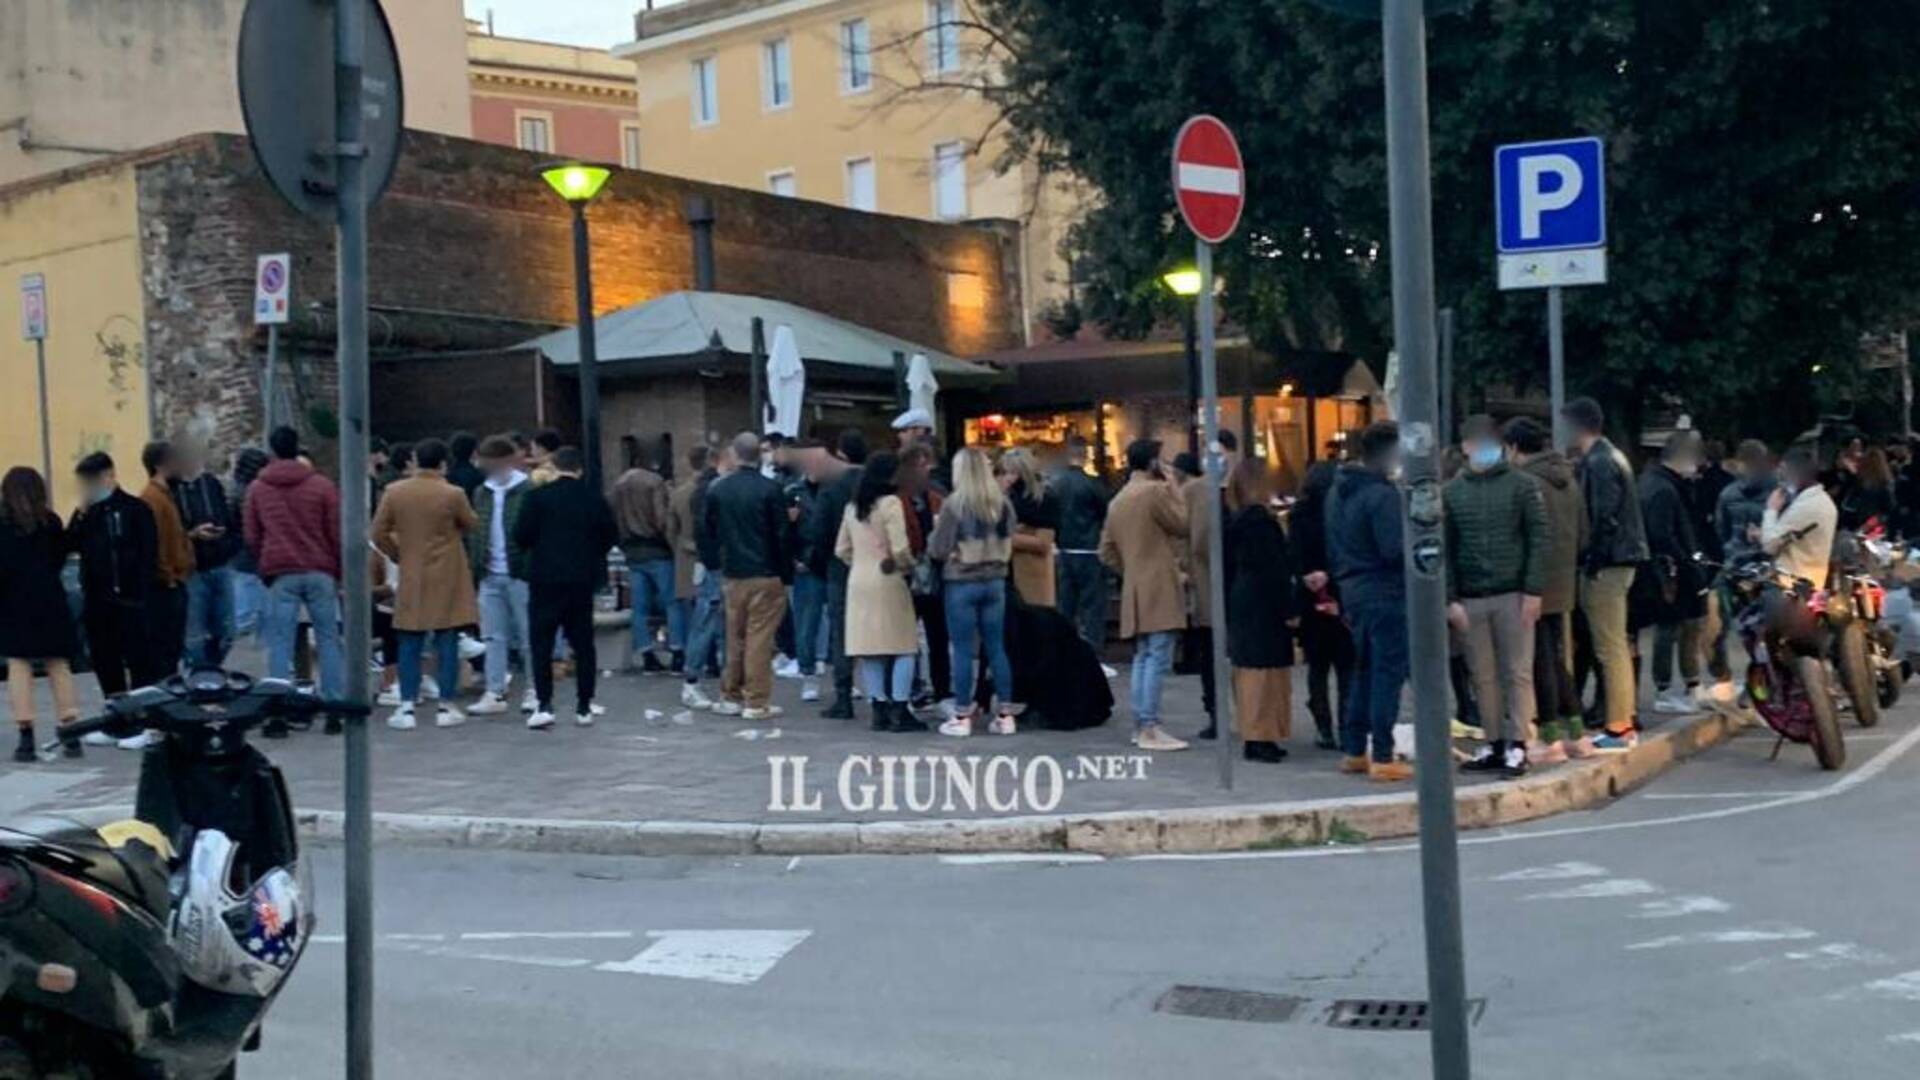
566, 529
744, 518
1668, 592
118, 545
1616, 547
1082, 579
838, 476
210, 521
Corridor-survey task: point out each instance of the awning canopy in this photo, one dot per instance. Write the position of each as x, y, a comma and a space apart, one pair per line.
689, 330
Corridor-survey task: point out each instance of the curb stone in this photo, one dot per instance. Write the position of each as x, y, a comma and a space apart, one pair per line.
1308, 823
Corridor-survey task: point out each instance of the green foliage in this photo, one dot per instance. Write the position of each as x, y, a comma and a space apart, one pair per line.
1763, 187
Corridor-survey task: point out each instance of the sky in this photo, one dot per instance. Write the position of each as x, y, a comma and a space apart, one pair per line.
596, 23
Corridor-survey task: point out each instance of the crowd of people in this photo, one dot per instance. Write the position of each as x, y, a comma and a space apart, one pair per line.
970, 591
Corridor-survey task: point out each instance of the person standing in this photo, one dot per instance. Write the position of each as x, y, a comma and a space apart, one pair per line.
973, 540
209, 520
35, 623
462, 472
422, 525
1036, 521
1556, 700
1615, 548
540, 450
1082, 580
118, 545
292, 528
173, 560
706, 632
839, 478
881, 632
684, 537
921, 500
1261, 593
1667, 594
643, 507
809, 599
566, 529
499, 564
249, 592
1324, 636
1195, 490
746, 518
1365, 542
1145, 531
1496, 537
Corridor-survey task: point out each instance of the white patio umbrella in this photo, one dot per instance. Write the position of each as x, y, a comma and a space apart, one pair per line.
921, 385
786, 383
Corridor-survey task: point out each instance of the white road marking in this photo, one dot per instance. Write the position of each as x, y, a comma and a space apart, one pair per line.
1905, 987
1680, 795
1824, 958
1682, 905
1905, 1037
1556, 872
1744, 936
992, 858
1599, 890
498, 958
733, 957
551, 935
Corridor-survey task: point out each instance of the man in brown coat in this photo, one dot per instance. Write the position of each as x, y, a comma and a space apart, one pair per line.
167, 604
1143, 540
685, 539
642, 507
422, 525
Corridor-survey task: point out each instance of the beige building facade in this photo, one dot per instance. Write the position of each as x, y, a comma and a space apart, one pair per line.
860, 103
80, 81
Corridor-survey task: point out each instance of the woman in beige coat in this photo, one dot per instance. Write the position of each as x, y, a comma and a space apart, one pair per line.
881, 631
422, 525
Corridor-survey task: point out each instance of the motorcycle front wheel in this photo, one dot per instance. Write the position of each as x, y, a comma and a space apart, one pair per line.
1857, 673
1828, 746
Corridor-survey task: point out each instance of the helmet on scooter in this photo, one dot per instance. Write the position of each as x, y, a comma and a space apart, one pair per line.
236, 943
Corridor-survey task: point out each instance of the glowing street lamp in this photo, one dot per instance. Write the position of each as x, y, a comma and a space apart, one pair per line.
1184, 282
578, 184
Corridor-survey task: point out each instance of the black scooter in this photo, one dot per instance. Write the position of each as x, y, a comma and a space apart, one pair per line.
95, 984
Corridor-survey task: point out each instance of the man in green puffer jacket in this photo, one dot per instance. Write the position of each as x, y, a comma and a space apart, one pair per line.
1496, 571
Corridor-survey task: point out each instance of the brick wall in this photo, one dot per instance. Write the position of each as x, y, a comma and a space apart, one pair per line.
470, 251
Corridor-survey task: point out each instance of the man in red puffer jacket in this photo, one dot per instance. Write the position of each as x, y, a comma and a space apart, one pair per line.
293, 531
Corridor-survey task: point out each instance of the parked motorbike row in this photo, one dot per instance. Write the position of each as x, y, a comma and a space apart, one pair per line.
1813, 653
151, 949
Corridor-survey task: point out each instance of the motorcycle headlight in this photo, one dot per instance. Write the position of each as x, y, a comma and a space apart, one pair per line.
16, 887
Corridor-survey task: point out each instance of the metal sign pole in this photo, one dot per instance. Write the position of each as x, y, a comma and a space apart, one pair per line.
267, 390
1411, 206
1216, 576
1556, 367
350, 34
46, 415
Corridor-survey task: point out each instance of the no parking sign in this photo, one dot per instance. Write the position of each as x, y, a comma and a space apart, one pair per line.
273, 284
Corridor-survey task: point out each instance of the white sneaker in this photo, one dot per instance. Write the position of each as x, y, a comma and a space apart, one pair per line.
727, 708
429, 688
959, 727
448, 716
139, 742
472, 648
540, 721
810, 689
586, 719
1109, 671
530, 702
1153, 738
389, 698
1676, 702
99, 738
402, 719
693, 698
771, 712
786, 668
1003, 725
490, 704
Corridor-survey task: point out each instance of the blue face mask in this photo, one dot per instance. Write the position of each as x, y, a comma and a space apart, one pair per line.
1484, 456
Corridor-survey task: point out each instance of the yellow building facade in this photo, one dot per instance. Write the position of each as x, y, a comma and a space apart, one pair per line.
861, 103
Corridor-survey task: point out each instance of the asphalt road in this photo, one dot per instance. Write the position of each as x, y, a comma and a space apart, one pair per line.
1739, 918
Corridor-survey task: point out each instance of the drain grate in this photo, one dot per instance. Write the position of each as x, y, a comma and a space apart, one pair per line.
1219, 1003
1373, 1014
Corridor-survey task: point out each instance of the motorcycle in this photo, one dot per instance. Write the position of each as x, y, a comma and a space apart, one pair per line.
153, 948
1787, 640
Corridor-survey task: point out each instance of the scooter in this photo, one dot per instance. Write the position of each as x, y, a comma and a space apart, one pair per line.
152, 949
1781, 625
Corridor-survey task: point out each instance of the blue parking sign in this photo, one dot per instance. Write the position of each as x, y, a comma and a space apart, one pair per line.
1550, 196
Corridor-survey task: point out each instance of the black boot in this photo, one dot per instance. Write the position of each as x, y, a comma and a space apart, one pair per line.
904, 721
274, 729
841, 709
25, 752
1491, 758
882, 714
1259, 750
70, 746
650, 664
1211, 731
334, 727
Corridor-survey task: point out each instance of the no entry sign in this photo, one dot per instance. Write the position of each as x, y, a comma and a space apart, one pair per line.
1209, 179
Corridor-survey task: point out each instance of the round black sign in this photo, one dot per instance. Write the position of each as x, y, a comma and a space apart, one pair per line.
287, 96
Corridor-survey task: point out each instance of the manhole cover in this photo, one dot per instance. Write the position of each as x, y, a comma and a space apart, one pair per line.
1374, 1014
1218, 1003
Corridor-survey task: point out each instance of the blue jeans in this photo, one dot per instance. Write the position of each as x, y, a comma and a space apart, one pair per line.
809, 611
1381, 659
249, 604
977, 617
446, 651
503, 623
887, 678
209, 617
1152, 657
319, 595
652, 592
707, 636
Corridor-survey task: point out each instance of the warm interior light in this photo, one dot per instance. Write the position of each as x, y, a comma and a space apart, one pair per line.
1184, 282
576, 183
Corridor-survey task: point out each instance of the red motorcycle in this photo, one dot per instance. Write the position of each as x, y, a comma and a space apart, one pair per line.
1781, 622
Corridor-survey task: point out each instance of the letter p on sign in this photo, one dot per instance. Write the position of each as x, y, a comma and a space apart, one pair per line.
1551, 196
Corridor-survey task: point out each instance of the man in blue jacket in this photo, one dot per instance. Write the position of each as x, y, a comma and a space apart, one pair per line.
1365, 546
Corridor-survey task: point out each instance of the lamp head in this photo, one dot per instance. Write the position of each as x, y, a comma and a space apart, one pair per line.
575, 182
1184, 281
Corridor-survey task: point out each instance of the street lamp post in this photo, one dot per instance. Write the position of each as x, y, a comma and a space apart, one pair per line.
578, 184
1185, 283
